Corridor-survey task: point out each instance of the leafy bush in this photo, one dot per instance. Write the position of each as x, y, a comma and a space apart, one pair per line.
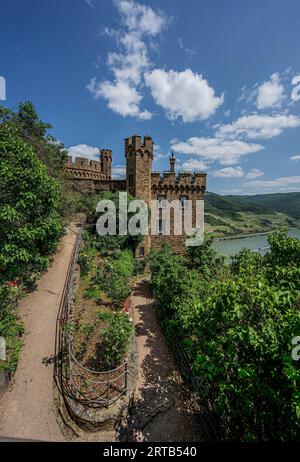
117, 241
139, 266
10, 329
236, 323
29, 220
116, 340
85, 260
113, 277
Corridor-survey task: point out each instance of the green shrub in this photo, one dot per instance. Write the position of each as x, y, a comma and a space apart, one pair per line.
113, 277
10, 328
139, 266
91, 292
87, 329
236, 323
104, 315
116, 340
30, 224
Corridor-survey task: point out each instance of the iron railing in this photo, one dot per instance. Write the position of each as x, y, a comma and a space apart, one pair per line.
86, 386
208, 422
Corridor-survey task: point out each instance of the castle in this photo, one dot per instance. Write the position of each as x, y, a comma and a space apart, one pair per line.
142, 183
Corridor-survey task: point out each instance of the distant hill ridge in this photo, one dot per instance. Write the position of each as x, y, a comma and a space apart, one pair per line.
245, 214
288, 203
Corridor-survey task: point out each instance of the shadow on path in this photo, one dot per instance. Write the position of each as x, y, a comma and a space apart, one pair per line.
164, 409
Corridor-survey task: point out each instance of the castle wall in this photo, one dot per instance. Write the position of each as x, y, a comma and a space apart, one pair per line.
84, 169
176, 187
142, 183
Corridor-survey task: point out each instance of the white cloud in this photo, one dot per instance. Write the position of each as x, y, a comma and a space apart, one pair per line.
84, 150
231, 191
183, 94
270, 93
121, 97
259, 126
295, 158
192, 165
139, 24
140, 17
189, 51
90, 3
237, 172
296, 90
119, 171
229, 172
254, 173
287, 183
227, 152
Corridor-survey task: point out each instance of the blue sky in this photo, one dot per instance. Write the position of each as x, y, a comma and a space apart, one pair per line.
217, 82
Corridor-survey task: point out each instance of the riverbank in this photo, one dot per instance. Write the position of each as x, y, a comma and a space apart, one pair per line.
255, 242
243, 236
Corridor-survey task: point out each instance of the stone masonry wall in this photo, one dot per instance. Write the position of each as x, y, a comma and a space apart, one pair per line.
142, 183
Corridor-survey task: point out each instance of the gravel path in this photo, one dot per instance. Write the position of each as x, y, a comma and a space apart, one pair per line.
27, 408
164, 409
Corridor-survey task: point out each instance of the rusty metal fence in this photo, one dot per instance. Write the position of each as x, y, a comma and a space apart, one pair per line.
88, 387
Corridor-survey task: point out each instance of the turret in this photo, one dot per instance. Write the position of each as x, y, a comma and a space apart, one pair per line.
172, 163
106, 161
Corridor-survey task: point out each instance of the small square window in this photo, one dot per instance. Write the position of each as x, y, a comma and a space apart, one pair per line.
130, 180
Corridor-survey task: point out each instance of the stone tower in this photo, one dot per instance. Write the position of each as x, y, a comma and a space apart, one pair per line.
106, 160
139, 166
139, 157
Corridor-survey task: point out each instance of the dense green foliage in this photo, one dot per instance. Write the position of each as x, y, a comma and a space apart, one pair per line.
236, 323
115, 340
106, 270
107, 242
112, 277
10, 293
35, 132
29, 209
31, 162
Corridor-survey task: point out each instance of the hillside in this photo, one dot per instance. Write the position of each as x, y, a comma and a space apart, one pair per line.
288, 203
227, 215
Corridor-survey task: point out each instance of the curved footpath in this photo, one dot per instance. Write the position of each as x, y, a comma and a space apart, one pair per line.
27, 409
164, 409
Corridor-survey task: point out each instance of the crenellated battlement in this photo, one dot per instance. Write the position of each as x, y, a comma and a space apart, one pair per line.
142, 183
83, 164
135, 145
83, 168
183, 180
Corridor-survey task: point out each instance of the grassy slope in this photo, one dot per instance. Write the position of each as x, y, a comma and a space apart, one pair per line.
288, 203
250, 214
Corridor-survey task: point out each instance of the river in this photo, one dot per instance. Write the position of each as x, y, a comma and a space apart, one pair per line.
230, 247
